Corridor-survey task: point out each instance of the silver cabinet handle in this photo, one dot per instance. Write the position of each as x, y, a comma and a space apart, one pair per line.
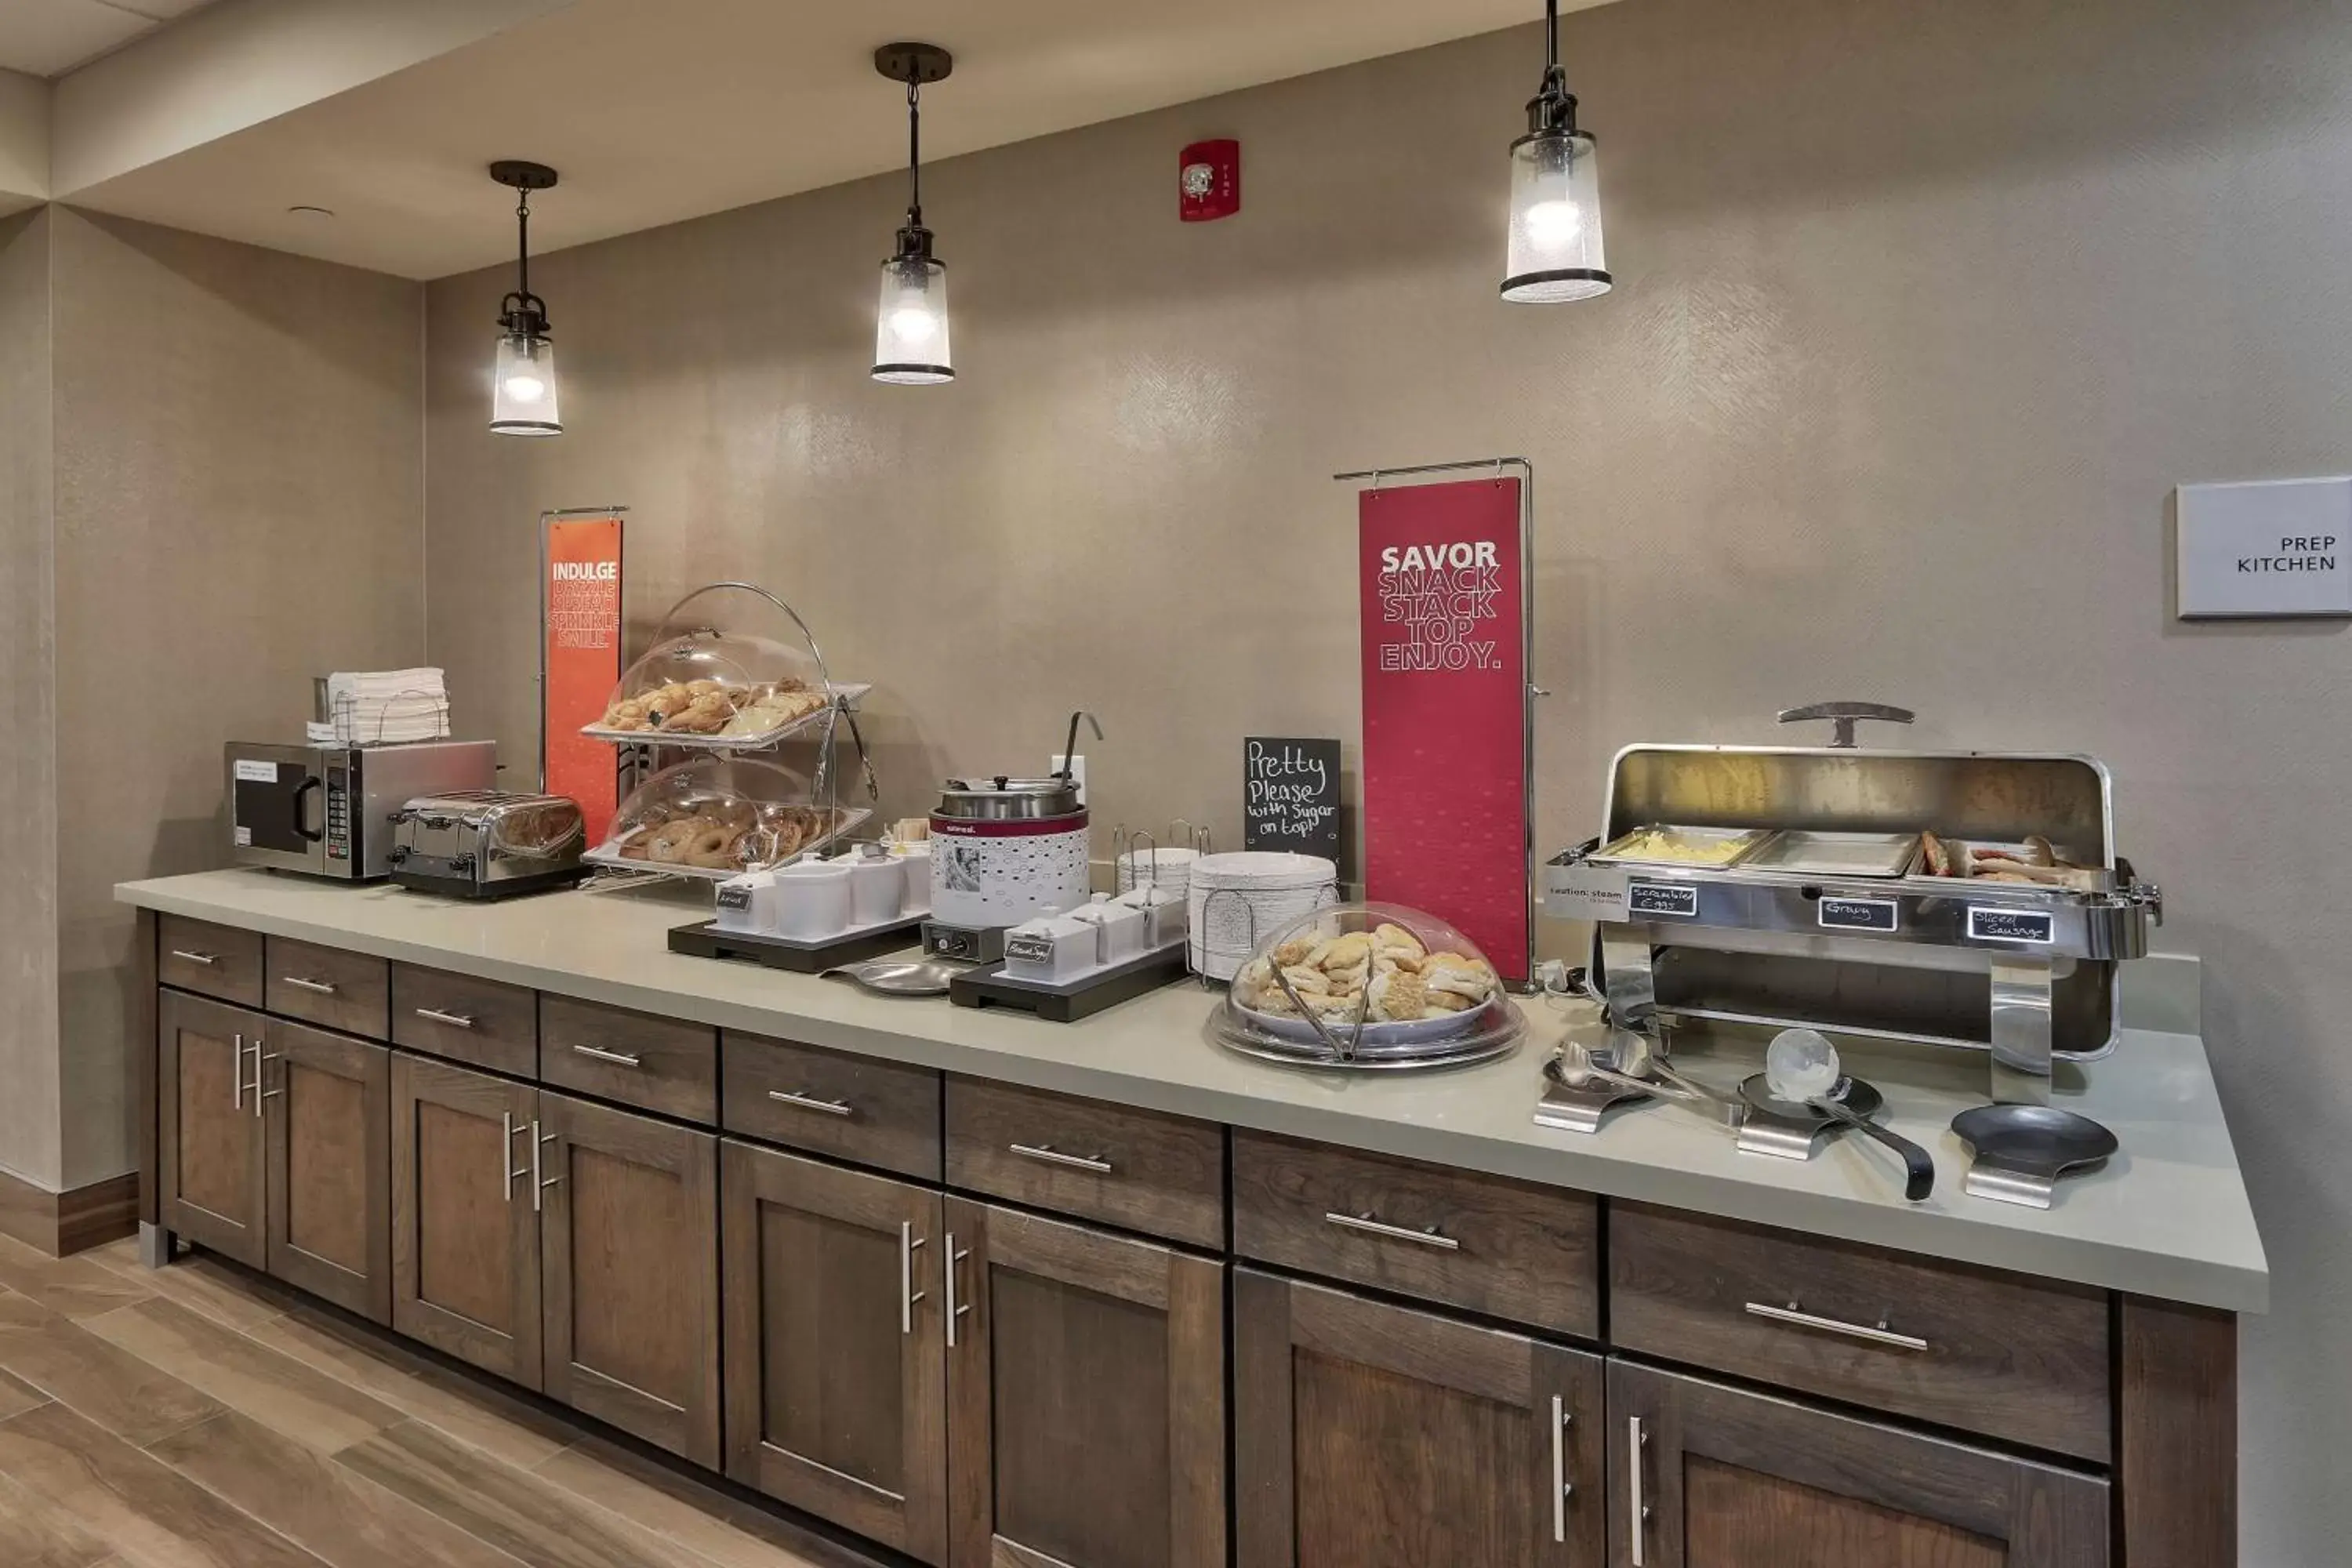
236, 1073
811, 1102
261, 1094
1639, 1521
506, 1151
947, 1262
1053, 1156
618, 1059
455, 1020
1792, 1314
907, 1294
1559, 1486
323, 987
1432, 1237
539, 1185
209, 960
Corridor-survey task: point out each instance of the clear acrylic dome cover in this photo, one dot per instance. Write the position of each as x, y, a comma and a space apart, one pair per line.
720, 813
1387, 985
713, 686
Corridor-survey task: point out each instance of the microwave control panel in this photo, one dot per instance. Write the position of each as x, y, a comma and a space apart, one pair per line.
338, 814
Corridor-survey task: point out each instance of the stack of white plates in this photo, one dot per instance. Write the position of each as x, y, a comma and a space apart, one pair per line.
1238, 902
1171, 869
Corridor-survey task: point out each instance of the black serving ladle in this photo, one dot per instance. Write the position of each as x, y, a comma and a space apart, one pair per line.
1851, 1103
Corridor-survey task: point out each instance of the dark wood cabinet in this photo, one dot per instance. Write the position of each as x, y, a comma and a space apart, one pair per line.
1086, 1397
328, 1128
1371, 1435
836, 1347
629, 1256
1702, 1476
465, 1226
210, 1139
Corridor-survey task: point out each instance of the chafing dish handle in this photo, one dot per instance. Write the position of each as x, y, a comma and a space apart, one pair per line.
1842, 716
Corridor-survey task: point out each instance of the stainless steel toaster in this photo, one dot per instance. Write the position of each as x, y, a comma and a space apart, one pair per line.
488, 844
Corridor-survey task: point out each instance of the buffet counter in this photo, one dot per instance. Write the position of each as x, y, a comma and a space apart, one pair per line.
2167, 1218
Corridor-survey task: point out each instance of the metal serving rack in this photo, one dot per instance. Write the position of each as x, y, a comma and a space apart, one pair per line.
637, 760
2027, 973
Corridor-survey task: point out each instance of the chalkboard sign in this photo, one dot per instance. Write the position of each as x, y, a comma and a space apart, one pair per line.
1858, 914
1677, 898
1993, 923
1290, 795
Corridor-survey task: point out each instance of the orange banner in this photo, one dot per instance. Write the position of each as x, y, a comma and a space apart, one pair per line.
581, 597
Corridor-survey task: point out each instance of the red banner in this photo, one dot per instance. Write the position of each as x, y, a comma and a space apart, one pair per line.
1445, 709
581, 612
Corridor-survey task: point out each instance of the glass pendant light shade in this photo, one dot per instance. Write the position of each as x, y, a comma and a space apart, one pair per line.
1556, 252
910, 325
524, 400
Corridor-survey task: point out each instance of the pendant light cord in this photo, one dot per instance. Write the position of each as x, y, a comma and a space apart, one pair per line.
914, 156
523, 244
1555, 78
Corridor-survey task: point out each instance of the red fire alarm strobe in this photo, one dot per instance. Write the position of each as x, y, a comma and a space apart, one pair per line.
1209, 181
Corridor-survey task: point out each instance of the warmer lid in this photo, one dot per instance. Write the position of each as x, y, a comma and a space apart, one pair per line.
1003, 799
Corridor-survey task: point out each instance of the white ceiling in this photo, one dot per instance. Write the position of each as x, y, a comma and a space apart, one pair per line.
50, 38
658, 111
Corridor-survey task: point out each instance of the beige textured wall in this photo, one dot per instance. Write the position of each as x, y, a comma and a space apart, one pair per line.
28, 919
1922, 310
239, 488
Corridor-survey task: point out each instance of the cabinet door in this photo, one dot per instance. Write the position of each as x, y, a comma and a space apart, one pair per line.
1708, 1477
1371, 1436
1086, 1397
836, 1373
465, 1233
208, 1111
328, 1121
629, 1245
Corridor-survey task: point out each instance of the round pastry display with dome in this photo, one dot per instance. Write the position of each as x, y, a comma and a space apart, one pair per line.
714, 817
714, 689
1368, 985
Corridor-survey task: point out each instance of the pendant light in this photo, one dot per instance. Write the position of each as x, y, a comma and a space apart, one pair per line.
1555, 254
910, 325
523, 403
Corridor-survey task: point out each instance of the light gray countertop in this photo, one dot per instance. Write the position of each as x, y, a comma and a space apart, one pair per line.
2167, 1218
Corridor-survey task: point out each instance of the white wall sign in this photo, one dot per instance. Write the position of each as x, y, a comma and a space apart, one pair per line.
2277, 547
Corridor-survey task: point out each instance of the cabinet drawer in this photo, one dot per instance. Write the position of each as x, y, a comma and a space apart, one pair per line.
2016, 1359
1161, 1175
467, 1020
883, 1114
218, 961
1513, 1249
325, 986
660, 1064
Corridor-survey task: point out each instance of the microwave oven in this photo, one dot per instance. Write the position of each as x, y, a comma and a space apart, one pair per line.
328, 810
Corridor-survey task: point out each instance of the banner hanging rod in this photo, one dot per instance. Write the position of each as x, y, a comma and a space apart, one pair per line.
1376, 475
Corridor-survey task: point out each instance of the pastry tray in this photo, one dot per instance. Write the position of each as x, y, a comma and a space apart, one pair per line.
1745, 841
846, 696
609, 855
1807, 853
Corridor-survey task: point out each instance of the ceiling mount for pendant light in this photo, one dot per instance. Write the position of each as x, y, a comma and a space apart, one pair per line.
910, 326
1555, 251
523, 403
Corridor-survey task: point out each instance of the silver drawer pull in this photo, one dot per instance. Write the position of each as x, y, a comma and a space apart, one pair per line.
323, 987
1053, 1156
618, 1059
1639, 1525
1560, 1488
455, 1020
209, 960
811, 1102
907, 1295
1881, 1335
1432, 1237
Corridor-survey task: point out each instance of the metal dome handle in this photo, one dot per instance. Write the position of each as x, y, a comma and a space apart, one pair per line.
1842, 715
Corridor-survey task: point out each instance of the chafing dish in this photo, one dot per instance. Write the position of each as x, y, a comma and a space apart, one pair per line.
488, 844
1879, 948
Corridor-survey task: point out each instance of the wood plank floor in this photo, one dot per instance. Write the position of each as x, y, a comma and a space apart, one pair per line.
196, 1416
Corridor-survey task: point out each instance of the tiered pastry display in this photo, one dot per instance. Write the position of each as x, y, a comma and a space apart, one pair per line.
722, 695
1368, 985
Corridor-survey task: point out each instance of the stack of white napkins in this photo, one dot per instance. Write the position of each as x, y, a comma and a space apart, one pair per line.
383, 707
